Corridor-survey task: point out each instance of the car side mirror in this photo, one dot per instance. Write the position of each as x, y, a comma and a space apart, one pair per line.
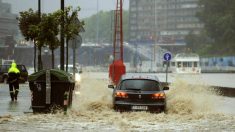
111, 86
166, 88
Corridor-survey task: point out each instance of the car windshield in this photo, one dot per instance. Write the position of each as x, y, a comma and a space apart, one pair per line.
21, 68
137, 84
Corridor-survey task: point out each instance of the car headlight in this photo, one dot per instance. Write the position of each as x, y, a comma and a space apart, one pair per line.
77, 77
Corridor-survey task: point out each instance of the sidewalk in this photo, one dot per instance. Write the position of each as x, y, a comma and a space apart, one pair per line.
14, 108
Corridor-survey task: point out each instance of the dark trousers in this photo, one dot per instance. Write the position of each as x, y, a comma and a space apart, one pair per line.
14, 90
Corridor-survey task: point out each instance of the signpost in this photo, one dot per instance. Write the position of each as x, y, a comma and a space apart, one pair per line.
167, 58
48, 87
75, 43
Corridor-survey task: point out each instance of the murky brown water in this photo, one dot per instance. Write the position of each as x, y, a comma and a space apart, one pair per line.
190, 108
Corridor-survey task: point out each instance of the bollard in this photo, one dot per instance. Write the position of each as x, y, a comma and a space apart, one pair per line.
65, 102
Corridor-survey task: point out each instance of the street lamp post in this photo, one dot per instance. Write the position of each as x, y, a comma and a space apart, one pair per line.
39, 8
62, 38
35, 48
97, 22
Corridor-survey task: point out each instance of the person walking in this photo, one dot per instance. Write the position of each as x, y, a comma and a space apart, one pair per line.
13, 80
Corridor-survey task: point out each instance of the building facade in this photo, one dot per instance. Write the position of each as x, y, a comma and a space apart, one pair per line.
142, 17
8, 22
163, 21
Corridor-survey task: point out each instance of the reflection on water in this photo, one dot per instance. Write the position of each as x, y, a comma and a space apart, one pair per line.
13, 106
189, 108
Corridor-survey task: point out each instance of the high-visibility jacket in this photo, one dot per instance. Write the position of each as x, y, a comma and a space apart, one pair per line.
13, 68
13, 73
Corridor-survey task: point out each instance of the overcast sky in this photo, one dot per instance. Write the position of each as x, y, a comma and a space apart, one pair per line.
88, 7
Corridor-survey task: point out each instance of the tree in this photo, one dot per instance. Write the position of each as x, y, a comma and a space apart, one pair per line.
218, 17
197, 43
48, 32
72, 27
106, 27
28, 22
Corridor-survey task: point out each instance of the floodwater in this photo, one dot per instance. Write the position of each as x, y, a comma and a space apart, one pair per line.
189, 108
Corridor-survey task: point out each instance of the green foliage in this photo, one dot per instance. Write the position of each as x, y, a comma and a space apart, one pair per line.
44, 30
72, 27
218, 17
49, 29
28, 22
197, 42
105, 26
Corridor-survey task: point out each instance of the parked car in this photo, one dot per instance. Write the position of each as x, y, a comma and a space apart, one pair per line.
4, 73
138, 92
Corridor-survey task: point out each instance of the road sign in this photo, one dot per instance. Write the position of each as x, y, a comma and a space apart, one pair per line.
76, 42
167, 56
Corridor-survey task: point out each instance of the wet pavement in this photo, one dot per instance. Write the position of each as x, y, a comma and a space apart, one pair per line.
15, 108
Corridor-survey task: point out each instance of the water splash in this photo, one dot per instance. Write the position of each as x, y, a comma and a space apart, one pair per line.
184, 98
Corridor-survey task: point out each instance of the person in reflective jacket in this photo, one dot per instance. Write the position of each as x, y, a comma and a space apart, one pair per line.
13, 80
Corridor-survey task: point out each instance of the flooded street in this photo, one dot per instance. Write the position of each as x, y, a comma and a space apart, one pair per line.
189, 108
188, 44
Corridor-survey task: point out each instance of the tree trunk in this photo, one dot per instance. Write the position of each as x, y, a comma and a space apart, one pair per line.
52, 59
34, 58
67, 53
39, 59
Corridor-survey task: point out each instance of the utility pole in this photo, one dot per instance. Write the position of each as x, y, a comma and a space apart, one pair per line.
151, 59
62, 38
74, 56
117, 68
97, 22
35, 48
39, 9
118, 33
97, 32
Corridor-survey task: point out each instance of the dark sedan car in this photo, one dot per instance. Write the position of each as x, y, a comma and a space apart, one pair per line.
139, 92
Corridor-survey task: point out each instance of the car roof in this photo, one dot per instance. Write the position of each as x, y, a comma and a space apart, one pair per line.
139, 76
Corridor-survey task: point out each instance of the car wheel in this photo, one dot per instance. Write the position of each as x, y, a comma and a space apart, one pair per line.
117, 109
163, 109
